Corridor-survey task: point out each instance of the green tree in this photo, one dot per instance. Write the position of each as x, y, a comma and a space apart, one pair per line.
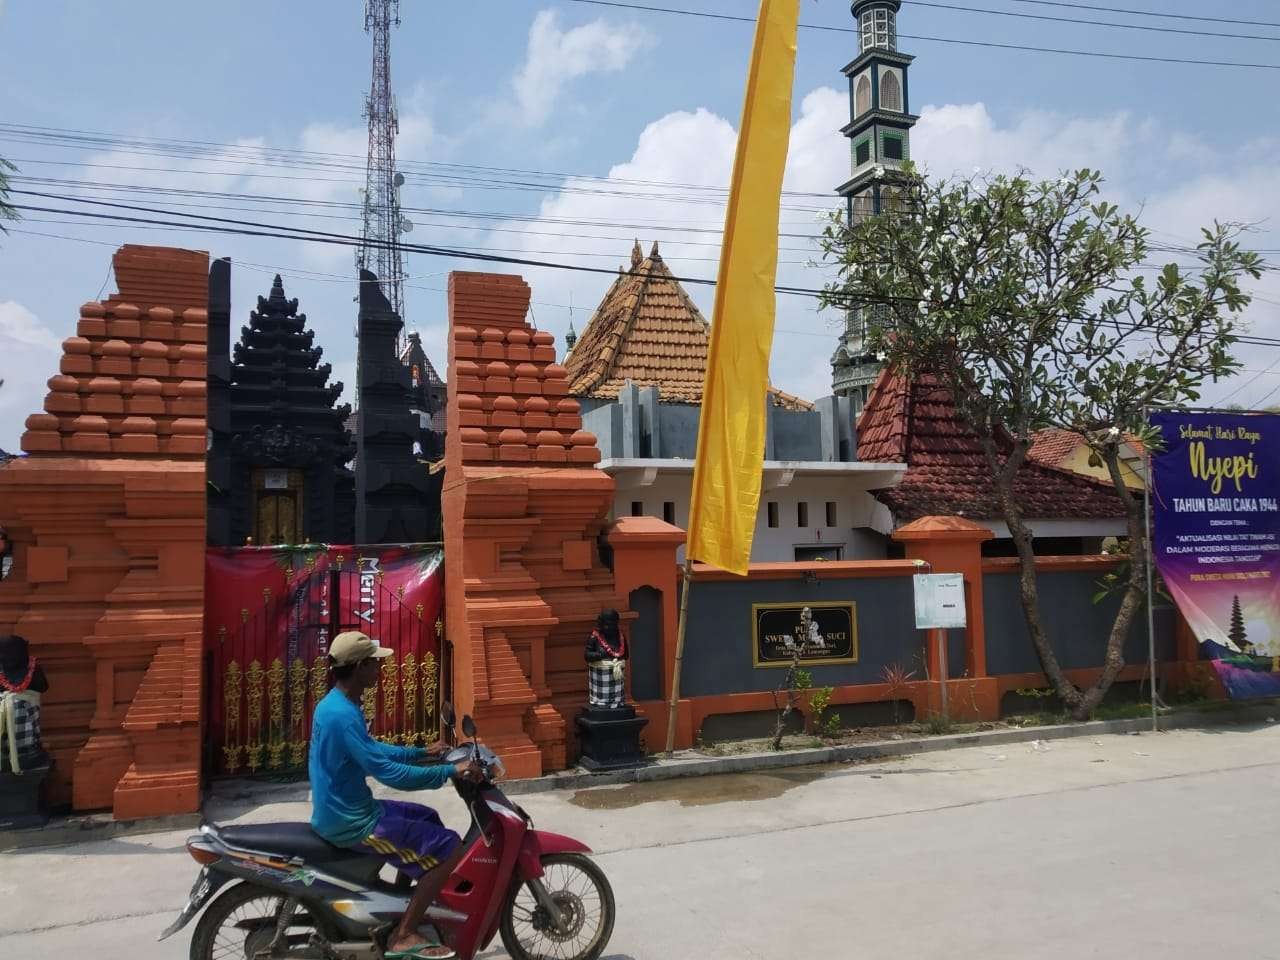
7, 212
1237, 632
1027, 301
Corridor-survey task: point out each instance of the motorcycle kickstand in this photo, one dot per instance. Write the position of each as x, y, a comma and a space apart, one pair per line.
545, 901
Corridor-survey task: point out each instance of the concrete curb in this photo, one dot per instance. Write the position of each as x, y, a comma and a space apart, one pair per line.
94, 827
61, 831
687, 764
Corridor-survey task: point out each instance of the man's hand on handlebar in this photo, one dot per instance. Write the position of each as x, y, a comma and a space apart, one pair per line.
468, 771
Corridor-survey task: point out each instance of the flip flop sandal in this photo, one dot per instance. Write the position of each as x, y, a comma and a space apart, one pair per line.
423, 951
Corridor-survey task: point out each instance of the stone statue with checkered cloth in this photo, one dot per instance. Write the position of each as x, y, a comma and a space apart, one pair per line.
606, 654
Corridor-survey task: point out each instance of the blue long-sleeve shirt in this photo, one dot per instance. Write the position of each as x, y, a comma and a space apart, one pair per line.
343, 810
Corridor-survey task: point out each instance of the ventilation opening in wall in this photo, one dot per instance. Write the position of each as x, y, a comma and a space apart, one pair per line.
893, 148
637, 508
669, 512
771, 509
832, 518
802, 514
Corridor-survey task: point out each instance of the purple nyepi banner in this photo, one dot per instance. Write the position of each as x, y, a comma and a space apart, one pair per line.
1217, 539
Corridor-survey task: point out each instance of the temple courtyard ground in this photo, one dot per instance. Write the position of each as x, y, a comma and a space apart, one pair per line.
1119, 846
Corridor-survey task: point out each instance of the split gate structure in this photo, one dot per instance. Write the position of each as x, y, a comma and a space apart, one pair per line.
270, 616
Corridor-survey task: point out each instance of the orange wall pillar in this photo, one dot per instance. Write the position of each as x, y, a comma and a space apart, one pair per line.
954, 545
644, 555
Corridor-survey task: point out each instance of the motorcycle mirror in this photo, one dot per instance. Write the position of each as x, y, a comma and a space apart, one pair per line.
468, 726
447, 715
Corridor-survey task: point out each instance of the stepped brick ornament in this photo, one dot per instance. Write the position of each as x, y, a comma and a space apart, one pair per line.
524, 507
107, 512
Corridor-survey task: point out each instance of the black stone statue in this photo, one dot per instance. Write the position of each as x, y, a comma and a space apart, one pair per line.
608, 727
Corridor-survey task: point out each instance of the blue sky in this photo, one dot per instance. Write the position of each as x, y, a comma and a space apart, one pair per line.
572, 88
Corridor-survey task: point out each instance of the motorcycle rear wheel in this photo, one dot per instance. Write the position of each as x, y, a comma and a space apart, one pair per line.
582, 892
241, 921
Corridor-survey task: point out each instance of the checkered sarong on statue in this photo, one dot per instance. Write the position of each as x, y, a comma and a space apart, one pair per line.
19, 728
604, 689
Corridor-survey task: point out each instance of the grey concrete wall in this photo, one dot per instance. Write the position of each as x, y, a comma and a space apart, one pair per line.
1076, 626
646, 644
606, 423
638, 424
718, 653
677, 430
795, 434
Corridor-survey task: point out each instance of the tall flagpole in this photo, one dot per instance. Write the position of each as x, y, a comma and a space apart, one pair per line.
725, 496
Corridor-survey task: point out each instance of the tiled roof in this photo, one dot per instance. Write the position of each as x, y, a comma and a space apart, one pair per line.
1052, 445
649, 332
917, 424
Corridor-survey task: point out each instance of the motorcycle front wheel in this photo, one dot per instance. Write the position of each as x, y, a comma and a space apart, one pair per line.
581, 892
241, 922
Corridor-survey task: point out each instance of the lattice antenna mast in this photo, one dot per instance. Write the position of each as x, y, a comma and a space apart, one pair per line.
380, 250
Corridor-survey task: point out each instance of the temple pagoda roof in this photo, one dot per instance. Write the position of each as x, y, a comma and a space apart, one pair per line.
647, 331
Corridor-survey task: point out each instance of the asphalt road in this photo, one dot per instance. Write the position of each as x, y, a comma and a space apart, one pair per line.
1160, 846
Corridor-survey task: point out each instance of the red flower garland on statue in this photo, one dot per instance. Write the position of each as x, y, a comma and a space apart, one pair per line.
615, 654
26, 681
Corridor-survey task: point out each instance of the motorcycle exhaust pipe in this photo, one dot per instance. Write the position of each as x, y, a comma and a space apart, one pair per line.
437, 912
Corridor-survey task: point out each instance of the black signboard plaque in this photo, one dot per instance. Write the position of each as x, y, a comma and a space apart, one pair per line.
824, 633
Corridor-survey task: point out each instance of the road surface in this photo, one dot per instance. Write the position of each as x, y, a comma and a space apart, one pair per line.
1161, 846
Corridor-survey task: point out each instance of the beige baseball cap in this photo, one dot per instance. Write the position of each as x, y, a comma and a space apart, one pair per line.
354, 646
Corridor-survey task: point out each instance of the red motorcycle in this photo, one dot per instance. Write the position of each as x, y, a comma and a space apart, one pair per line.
295, 896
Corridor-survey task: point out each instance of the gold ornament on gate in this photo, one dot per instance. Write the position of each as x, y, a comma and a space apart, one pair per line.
297, 712
253, 724
429, 687
389, 685
275, 714
409, 687
231, 727
319, 680
370, 704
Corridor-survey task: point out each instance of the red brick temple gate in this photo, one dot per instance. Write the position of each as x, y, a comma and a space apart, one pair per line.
107, 517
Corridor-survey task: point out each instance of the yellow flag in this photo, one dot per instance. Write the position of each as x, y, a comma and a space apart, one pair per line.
726, 473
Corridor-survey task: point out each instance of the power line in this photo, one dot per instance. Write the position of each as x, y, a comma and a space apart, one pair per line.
299, 274
251, 228
1146, 13
646, 8
633, 227
258, 157
1093, 23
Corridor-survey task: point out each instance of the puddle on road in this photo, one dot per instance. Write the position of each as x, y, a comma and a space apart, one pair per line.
701, 791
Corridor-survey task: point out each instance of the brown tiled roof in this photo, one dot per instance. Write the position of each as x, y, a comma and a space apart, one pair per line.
1051, 446
917, 424
649, 332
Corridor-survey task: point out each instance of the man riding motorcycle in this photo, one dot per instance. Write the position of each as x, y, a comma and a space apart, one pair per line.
409, 836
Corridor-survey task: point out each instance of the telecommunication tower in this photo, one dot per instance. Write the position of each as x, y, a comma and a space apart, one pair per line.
380, 251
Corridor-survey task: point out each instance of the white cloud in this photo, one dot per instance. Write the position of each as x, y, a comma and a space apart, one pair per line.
29, 354
1148, 167
20, 325
555, 57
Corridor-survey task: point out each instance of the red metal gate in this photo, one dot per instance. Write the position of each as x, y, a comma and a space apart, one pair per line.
269, 616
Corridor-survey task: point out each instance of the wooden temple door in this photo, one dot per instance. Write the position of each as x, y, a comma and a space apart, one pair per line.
277, 507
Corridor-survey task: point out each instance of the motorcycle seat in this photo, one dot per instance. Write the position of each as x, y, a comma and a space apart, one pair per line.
289, 840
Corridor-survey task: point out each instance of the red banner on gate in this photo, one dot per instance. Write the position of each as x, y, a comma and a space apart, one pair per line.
270, 614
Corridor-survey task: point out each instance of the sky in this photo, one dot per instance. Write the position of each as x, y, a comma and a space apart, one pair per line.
564, 131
